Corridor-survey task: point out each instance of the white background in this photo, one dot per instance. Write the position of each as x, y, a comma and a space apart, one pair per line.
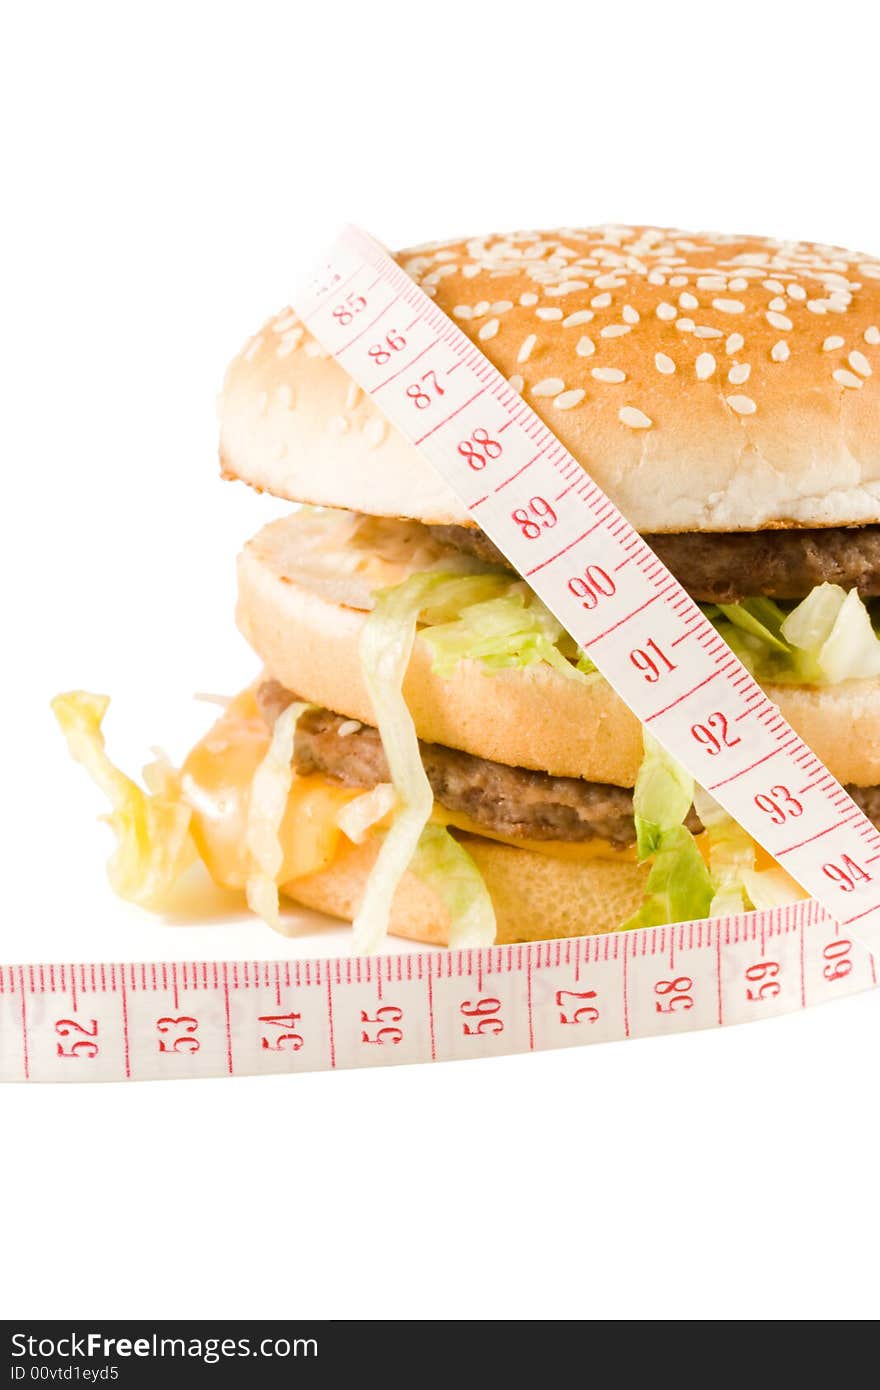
168, 171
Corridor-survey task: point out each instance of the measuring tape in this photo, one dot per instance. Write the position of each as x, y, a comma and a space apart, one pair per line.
655, 648
221, 1018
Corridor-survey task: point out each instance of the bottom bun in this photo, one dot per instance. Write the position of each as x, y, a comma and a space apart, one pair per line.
535, 896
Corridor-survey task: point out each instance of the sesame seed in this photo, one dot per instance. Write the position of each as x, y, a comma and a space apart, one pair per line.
773, 286
743, 405
600, 301
734, 343
290, 341
525, 351
585, 347
550, 386
528, 299
613, 375
832, 344
489, 329
816, 306
676, 281
549, 314
375, 431
738, 284
705, 366
872, 335
728, 306
608, 282
313, 349
701, 331
686, 300
845, 378
629, 314
780, 321
685, 325
471, 271
581, 316
635, 419
253, 348
796, 292
348, 727
780, 352
481, 308
711, 282
656, 278
338, 424
569, 399
502, 306
616, 330
664, 364
285, 322
739, 373
516, 382
778, 304
352, 395
463, 311
666, 312
859, 363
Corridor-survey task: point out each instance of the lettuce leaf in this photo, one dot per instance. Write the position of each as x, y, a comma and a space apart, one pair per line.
678, 888
386, 645
270, 789
826, 638
154, 847
445, 866
497, 620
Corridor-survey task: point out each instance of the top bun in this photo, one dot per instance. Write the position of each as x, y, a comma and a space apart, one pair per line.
707, 383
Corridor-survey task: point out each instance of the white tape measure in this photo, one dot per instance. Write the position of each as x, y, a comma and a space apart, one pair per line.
666, 661
220, 1018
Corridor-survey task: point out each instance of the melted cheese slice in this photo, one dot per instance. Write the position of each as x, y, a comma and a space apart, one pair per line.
216, 780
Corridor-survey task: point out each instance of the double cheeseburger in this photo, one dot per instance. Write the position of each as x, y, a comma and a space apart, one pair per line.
426, 750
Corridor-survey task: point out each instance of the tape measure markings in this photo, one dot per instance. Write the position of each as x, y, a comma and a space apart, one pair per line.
604, 615
209, 1018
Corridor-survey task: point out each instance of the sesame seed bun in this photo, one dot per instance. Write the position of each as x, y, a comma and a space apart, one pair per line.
535, 896
707, 383
533, 717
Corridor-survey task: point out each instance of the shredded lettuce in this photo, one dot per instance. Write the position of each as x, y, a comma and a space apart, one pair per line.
386, 646
826, 638
499, 621
357, 818
678, 888
154, 847
738, 884
269, 792
445, 866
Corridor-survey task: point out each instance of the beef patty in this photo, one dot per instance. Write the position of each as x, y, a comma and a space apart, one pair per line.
725, 566
514, 801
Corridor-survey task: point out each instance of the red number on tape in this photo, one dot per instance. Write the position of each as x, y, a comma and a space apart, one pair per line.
593, 585
846, 873
568, 1014
479, 449
650, 666
86, 1046
281, 1042
715, 734
836, 953
486, 1012
675, 994
537, 517
183, 1028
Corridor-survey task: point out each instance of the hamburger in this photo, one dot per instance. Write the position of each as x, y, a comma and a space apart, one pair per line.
426, 751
